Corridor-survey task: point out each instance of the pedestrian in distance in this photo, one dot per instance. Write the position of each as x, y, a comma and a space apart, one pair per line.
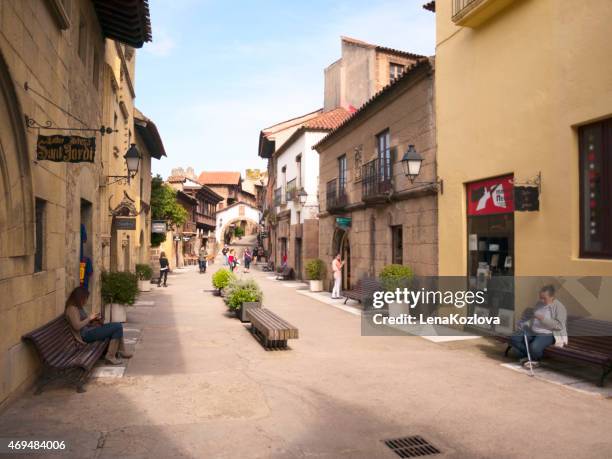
88, 328
337, 265
225, 252
164, 267
231, 259
540, 327
203, 259
247, 260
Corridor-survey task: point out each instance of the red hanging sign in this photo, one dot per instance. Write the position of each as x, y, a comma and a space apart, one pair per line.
492, 196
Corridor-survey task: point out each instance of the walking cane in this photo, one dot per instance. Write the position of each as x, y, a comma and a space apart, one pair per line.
528, 353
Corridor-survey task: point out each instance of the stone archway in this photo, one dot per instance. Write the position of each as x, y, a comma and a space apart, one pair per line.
249, 225
341, 245
16, 190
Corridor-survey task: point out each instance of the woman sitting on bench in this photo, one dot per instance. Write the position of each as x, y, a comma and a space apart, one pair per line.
89, 328
540, 327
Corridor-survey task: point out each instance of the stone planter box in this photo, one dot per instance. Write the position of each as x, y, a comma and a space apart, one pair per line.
316, 285
241, 313
115, 312
144, 285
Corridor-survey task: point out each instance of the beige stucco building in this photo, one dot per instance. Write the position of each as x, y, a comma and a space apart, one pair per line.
52, 72
524, 97
371, 213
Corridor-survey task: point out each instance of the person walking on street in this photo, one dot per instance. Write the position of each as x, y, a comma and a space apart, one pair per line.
337, 265
247, 260
225, 255
231, 259
203, 256
164, 267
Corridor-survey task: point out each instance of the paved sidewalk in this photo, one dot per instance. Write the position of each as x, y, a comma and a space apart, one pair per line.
200, 386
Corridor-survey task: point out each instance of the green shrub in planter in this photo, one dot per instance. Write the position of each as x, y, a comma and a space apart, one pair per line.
144, 272
396, 276
242, 291
315, 269
119, 287
222, 278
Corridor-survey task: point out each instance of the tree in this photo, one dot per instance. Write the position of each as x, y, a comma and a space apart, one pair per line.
164, 206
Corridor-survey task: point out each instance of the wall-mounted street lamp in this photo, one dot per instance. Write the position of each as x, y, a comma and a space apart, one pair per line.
411, 163
132, 161
302, 196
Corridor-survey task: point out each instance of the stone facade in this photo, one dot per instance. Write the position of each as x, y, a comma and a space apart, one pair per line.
54, 69
406, 110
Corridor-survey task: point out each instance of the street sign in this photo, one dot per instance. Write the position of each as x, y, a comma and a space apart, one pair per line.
344, 222
66, 148
125, 223
526, 198
158, 227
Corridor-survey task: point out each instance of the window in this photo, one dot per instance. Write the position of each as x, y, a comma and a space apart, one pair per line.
596, 189
39, 255
82, 39
397, 247
384, 155
298, 161
342, 175
395, 71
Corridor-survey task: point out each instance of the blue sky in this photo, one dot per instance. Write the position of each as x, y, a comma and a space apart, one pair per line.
218, 72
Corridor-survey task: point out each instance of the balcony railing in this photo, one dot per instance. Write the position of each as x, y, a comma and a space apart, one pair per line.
336, 197
291, 192
189, 227
472, 13
278, 196
376, 182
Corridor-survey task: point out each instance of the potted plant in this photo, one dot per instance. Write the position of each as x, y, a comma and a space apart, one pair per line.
242, 295
315, 272
393, 277
119, 290
222, 279
144, 273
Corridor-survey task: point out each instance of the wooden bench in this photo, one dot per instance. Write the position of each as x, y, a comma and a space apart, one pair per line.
285, 274
589, 341
62, 355
363, 290
272, 331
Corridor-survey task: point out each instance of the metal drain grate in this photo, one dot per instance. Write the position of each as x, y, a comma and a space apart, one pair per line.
411, 446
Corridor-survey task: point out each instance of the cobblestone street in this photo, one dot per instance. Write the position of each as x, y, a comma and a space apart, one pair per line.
200, 385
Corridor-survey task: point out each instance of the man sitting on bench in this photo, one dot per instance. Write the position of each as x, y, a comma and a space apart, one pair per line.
543, 325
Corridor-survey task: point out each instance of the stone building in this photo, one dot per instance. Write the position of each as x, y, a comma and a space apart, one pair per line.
361, 72
52, 74
371, 213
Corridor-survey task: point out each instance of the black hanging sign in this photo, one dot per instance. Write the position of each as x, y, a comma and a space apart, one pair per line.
526, 198
125, 223
66, 149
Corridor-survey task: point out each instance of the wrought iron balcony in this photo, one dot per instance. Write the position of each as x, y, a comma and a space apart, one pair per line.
291, 192
336, 198
376, 179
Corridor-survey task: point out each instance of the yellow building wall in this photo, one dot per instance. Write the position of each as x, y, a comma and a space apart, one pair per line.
510, 95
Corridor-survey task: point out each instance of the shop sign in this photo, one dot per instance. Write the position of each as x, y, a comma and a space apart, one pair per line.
66, 148
158, 227
526, 198
125, 223
177, 238
344, 222
186, 238
492, 196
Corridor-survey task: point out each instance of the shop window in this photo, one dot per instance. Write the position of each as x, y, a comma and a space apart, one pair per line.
397, 246
596, 189
39, 255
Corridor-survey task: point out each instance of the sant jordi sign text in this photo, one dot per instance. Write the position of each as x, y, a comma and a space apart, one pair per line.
66, 149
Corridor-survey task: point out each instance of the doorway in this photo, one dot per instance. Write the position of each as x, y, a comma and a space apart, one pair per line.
341, 245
